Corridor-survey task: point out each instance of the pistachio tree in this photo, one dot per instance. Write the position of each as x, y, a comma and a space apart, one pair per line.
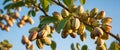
73, 20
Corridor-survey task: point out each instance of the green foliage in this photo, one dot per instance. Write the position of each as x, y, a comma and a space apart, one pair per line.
114, 46
48, 20
60, 25
32, 13
68, 2
45, 5
14, 5
53, 45
82, 2
84, 47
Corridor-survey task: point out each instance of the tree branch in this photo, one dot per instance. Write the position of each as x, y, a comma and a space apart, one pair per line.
60, 4
45, 13
111, 34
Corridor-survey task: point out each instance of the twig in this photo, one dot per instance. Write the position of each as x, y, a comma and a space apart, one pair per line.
60, 4
45, 13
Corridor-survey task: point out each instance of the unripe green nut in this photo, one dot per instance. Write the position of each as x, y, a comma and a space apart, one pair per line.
79, 10
46, 40
39, 43
107, 20
57, 15
99, 42
72, 8
93, 12
101, 47
64, 13
100, 15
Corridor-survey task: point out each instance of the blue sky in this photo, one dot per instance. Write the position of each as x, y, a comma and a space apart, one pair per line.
112, 9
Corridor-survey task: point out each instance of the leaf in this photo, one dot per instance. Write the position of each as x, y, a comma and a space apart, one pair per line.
5, 1
48, 20
61, 24
45, 5
33, 13
14, 5
88, 28
68, 2
113, 46
53, 45
82, 2
1, 11
84, 47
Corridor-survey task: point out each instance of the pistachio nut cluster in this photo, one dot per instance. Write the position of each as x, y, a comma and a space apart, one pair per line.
24, 20
5, 45
10, 20
73, 24
41, 35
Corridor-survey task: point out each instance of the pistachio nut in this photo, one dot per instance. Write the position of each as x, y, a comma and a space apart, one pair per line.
106, 27
72, 8
25, 17
24, 39
43, 33
57, 15
39, 43
16, 15
75, 23
33, 35
64, 13
107, 20
19, 8
79, 10
105, 36
101, 47
46, 40
81, 29
98, 31
64, 34
52, 29
2, 25
19, 25
6, 28
93, 12
99, 42
6, 17
100, 15
30, 20
83, 36
73, 34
